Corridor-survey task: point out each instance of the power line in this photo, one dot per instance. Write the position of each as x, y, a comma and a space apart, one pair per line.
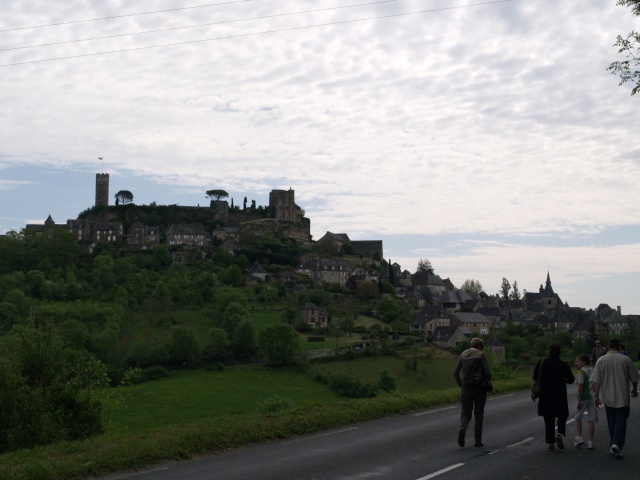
198, 25
123, 16
252, 34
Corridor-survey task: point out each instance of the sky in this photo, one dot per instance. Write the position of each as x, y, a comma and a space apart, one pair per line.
487, 137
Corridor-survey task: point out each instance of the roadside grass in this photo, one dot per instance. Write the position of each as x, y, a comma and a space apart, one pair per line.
192, 397
430, 374
200, 413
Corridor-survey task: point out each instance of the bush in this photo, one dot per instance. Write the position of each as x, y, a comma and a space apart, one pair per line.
387, 383
132, 376
154, 373
275, 404
350, 387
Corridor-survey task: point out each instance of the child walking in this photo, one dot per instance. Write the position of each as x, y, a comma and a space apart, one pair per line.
586, 401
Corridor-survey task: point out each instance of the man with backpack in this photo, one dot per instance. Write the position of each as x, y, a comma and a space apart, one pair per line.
473, 395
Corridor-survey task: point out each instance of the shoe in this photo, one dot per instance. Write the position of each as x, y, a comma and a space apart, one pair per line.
461, 438
590, 445
478, 444
560, 441
551, 447
615, 450
579, 442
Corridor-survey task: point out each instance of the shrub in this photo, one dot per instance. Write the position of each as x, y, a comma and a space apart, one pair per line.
132, 376
350, 387
387, 382
154, 373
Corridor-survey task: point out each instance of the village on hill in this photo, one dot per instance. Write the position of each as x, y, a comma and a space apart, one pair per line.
446, 315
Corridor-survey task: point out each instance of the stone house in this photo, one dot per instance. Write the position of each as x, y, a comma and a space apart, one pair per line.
110, 232
314, 316
475, 322
187, 234
448, 337
141, 237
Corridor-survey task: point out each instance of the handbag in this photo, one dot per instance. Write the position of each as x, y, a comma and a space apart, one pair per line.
535, 388
487, 386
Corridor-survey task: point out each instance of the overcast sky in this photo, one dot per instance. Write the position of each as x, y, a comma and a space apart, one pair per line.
488, 137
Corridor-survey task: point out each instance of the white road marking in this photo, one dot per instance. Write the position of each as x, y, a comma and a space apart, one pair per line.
528, 439
434, 411
440, 472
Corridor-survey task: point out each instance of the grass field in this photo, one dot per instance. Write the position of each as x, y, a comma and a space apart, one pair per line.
190, 397
203, 413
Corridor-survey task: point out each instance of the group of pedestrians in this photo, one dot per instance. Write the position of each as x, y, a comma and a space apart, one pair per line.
611, 381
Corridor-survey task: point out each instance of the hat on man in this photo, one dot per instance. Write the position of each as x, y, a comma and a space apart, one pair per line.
598, 341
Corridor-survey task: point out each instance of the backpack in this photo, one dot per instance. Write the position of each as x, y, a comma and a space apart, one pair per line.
475, 375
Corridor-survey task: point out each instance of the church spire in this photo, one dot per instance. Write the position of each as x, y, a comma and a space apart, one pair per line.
547, 289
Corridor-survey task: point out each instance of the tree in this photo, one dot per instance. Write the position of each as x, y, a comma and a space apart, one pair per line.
515, 293
244, 339
183, 346
217, 195
278, 343
123, 197
472, 286
505, 288
216, 344
424, 265
631, 46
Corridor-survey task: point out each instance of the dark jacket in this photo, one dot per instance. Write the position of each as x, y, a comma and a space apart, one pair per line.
465, 361
556, 374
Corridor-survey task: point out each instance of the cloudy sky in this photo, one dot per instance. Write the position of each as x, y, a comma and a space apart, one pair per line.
488, 137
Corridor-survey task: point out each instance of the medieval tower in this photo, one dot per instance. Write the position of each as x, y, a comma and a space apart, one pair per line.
283, 206
102, 189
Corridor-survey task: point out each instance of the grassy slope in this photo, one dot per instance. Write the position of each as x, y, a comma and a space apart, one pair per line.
196, 413
192, 397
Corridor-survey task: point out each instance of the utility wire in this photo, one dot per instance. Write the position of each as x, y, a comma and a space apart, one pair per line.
198, 25
123, 16
253, 33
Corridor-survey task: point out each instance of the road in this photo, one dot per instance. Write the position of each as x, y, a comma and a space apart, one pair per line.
421, 446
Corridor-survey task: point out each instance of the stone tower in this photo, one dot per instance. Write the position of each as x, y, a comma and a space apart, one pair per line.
102, 189
283, 206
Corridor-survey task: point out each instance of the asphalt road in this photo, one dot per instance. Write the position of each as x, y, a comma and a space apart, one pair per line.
423, 445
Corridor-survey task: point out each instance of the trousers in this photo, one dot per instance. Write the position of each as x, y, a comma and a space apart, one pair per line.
472, 401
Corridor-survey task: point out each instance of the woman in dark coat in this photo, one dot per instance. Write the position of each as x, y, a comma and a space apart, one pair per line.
554, 375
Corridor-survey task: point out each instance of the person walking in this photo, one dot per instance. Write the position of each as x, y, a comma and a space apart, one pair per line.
553, 375
598, 351
472, 396
586, 403
611, 378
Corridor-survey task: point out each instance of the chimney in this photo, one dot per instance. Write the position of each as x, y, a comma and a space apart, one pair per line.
619, 310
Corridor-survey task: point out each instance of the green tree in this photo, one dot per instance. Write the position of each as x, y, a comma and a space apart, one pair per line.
244, 340
628, 70
123, 197
53, 392
183, 347
232, 316
472, 286
424, 265
279, 344
515, 293
232, 276
387, 382
367, 290
217, 195
505, 288
216, 344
